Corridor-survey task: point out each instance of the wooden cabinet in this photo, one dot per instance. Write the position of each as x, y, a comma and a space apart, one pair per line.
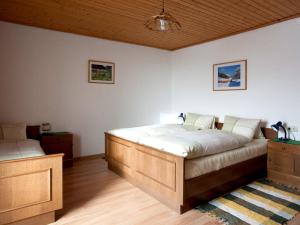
284, 163
62, 142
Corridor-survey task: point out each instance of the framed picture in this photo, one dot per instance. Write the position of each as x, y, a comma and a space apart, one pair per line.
101, 72
230, 76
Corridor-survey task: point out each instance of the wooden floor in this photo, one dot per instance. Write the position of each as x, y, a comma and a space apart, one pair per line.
95, 195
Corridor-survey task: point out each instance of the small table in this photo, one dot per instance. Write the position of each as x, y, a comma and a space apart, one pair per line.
59, 142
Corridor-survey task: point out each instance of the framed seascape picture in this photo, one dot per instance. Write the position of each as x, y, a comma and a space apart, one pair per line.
101, 72
230, 76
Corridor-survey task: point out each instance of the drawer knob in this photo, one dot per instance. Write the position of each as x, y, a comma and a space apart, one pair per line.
283, 148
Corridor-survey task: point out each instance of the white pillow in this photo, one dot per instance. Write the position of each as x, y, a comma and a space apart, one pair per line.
190, 119
15, 131
259, 134
230, 121
246, 127
204, 122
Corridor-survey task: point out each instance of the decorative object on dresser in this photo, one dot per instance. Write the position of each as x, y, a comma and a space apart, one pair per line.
46, 127
284, 162
230, 76
277, 127
59, 142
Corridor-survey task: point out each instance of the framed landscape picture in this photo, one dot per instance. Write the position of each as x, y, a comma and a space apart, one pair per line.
101, 72
230, 76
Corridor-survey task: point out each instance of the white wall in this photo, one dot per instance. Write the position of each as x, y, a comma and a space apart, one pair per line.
273, 55
44, 78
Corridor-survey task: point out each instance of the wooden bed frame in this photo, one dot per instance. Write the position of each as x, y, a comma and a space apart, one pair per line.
161, 174
30, 188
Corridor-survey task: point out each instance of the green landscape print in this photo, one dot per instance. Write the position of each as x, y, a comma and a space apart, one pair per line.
101, 72
229, 76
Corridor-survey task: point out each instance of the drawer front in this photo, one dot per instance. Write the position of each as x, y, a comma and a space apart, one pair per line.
281, 162
68, 138
49, 140
276, 146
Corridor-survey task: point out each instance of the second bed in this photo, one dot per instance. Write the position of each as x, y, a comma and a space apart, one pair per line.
171, 165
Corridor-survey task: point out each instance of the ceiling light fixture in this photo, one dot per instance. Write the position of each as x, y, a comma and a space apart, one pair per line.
163, 22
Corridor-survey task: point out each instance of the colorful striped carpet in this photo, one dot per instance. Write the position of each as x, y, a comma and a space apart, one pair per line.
261, 202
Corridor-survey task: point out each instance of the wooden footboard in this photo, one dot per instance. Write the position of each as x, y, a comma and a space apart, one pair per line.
162, 174
158, 173
30, 187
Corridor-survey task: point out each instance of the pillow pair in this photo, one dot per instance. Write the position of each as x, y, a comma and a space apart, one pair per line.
249, 128
200, 122
16, 131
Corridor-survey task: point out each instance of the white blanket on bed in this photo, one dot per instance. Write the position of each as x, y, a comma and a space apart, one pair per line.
178, 140
17, 149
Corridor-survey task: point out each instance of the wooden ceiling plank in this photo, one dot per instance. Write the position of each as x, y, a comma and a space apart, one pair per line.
103, 18
208, 14
142, 21
196, 26
209, 25
249, 10
249, 29
225, 13
56, 27
267, 8
285, 6
119, 20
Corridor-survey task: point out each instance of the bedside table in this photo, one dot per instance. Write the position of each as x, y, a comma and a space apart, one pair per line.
284, 163
59, 142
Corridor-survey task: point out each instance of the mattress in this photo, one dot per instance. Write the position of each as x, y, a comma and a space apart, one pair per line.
18, 149
204, 165
182, 141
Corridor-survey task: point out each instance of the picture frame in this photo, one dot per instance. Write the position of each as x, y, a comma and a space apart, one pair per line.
230, 76
101, 72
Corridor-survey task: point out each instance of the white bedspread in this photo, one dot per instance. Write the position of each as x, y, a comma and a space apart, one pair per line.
207, 164
180, 141
17, 149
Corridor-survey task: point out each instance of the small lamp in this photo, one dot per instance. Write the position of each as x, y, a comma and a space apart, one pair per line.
277, 127
181, 115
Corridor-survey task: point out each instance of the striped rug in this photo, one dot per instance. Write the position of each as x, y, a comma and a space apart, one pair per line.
261, 202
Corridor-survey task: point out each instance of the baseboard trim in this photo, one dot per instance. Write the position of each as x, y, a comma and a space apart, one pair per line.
96, 156
42, 219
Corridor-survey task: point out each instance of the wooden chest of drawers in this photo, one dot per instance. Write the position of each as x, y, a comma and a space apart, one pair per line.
284, 163
62, 142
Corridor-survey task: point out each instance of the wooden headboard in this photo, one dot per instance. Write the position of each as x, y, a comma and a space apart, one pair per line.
268, 132
33, 132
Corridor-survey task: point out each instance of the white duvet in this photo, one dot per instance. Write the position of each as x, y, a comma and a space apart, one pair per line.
17, 149
178, 140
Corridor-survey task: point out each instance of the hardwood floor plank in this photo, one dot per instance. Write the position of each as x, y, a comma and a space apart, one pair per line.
95, 195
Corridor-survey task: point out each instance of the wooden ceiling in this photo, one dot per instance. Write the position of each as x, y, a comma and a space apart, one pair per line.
123, 20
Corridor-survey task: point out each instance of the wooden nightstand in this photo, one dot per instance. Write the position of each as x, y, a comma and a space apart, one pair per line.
60, 142
284, 163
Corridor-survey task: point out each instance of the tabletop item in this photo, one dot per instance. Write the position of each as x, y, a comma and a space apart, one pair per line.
46, 127
277, 127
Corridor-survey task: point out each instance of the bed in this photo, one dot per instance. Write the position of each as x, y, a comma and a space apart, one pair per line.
30, 181
172, 178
